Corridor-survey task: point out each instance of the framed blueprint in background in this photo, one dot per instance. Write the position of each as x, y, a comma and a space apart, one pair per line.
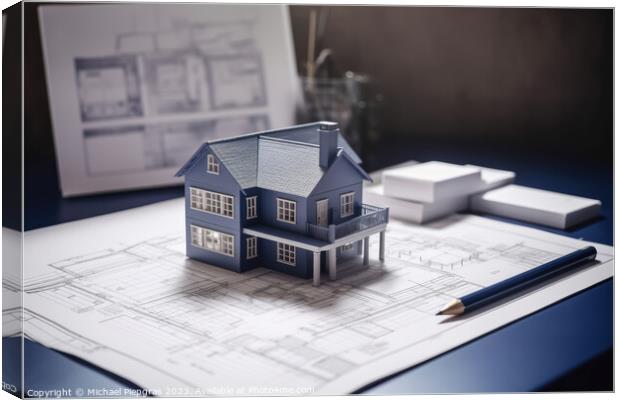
135, 88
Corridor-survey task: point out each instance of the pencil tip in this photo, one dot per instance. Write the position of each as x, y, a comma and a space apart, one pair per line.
455, 307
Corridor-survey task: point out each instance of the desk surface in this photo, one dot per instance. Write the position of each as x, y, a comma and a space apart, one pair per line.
566, 346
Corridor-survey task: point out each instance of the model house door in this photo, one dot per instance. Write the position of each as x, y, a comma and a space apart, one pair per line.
321, 212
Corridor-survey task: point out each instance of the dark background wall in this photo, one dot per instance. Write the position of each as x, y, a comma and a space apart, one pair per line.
537, 80
527, 80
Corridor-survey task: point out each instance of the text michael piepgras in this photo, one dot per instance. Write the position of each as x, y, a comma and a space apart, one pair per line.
169, 391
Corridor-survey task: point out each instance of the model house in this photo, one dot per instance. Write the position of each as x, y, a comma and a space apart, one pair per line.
287, 199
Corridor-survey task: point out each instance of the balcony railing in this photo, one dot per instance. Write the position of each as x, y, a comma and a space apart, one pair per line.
319, 232
370, 217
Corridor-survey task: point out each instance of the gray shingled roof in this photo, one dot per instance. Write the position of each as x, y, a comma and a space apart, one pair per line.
285, 160
240, 158
309, 134
288, 167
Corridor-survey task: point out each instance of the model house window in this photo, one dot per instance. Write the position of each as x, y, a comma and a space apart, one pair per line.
211, 240
250, 205
197, 236
227, 206
287, 211
346, 247
213, 167
346, 204
212, 202
252, 249
286, 254
196, 199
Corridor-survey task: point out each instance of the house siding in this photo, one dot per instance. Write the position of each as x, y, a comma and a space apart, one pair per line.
330, 187
245, 264
303, 264
333, 198
354, 251
222, 183
251, 192
340, 171
210, 257
210, 218
268, 211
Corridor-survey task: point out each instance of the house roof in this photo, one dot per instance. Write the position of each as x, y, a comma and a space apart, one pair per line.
288, 167
284, 160
240, 158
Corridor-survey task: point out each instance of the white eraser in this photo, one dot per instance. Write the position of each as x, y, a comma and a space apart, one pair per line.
543, 207
431, 181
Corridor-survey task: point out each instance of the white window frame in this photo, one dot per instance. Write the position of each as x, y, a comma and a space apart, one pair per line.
347, 246
251, 246
251, 204
196, 199
286, 211
213, 166
347, 204
287, 254
212, 240
212, 202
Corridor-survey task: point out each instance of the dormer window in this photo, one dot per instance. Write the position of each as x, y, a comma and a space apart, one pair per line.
213, 166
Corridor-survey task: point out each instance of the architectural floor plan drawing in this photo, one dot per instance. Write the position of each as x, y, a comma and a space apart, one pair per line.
118, 291
146, 82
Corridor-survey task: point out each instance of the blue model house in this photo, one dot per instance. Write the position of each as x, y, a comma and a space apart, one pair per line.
287, 199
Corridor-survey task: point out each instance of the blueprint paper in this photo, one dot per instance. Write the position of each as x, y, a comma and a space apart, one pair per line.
118, 291
136, 88
11, 281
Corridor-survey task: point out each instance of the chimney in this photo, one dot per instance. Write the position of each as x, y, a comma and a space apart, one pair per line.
328, 143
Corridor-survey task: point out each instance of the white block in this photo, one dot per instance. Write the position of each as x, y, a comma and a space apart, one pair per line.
416, 212
377, 176
431, 181
543, 207
491, 178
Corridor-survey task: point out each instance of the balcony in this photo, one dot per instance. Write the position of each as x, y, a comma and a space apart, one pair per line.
370, 217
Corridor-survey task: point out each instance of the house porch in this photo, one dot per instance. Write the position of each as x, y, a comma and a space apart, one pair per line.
317, 246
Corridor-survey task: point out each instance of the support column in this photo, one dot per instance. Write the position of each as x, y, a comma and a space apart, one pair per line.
382, 246
331, 263
366, 250
316, 265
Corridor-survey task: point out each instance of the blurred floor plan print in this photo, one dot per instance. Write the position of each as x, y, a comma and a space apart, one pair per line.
176, 82
140, 69
109, 87
133, 303
189, 69
149, 147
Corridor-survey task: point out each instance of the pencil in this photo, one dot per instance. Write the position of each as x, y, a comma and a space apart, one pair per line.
518, 282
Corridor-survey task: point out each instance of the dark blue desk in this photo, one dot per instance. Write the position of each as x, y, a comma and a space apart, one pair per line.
566, 346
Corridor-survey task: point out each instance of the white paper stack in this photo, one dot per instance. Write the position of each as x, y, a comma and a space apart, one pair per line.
421, 192
492, 178
431, 181
413, 211
450, 185
553, 209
